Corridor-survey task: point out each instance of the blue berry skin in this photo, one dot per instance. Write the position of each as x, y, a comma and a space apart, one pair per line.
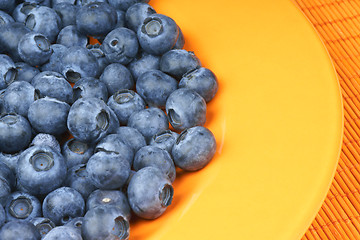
185, 108
5, 18
5, 191
158, 34
90, 120
96, 19
117, 77
125, 4
54, 2
69, 36
156, 157
143, 64
112, 143
18, 97
44, 20
22, 206
54, 85
203, 81
40, 170
148, 122
120, 45
67, 13
10, 36
78, 62
43, 225
131, 137
46, 139
100, 57
15, 133
90, 87
63, 232
164, 140
177, 62
124, 103
34, 49
54, 64
25, 72
8, 71
120, 19
7, 175
22, 10
75, 223
194, 148
86, 2
62, 205
149, 193
109, 198
16, 230
78, 179
10, 160
154, 87
2, 216
136, 14
180, 41
49, 115
108, 171
105, 222
7, 5
76, 152
2, 92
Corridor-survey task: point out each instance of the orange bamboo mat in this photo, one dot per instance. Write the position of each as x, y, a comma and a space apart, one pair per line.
338, 23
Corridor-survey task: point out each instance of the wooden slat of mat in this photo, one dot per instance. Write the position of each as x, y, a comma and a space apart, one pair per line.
338, 23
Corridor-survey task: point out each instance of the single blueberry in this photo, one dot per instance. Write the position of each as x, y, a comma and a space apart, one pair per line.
136, 14
22, 206
34, 49
125, 4
131, 137
8, 70
117, 77
46, 139
149, 193
63, 232
76, 152
62, 205
108, 171
143, 64
22, 10
148, 122
154, 87
15, 133
41, 169
69, 36
5, 18
54, 64
164, 140
16, 230
25, 72
78, 179
43, 225
185, 108
67, 12
124, 103
90, 87
194, 148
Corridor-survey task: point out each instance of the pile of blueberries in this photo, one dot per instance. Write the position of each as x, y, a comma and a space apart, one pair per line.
116, 99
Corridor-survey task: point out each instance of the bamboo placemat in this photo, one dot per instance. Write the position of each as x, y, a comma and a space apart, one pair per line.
338, 23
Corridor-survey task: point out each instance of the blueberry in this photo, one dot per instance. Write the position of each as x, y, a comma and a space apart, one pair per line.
136, 14
10, 159
164, 140
76, 152
44, 20
5, 18
25, 72
155, 157
40, 169
90, 119
49, 115
34, 49
180, 41
148, 122
7, 175
149, 193
125, 4
8, 70
16, 230
177, 62
22, 10
54, 64
143, 64
100, 56
78, 179
108, 170
120, 45
86, 2
158, 34
124, 103
96, 19
5, 191
154, 87
90, 87
201, 80
10, 36
120, 18
109, 198
63, 232
62, 205
15, 133
78, 62
54, 85
69, 36
22, 206
7, 5
67, 12
43, 225
194, 148
46, 139
18, 97
54, 2
131, 137
2, 216
185, 108
75, 223
116, 77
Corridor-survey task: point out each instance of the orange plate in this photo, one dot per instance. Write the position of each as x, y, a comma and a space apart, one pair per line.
277, 119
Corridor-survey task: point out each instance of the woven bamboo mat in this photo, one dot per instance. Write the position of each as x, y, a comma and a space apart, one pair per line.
338, 23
